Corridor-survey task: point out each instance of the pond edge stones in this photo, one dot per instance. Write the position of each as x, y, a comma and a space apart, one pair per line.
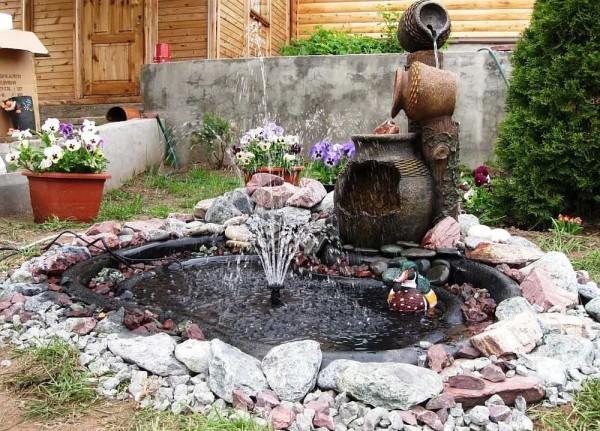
291, 369
230, 369
389, 385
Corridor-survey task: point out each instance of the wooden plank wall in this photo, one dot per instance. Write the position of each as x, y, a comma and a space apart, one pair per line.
231, 33
54, 24
280, 25
183, 25
471, 19
14, 8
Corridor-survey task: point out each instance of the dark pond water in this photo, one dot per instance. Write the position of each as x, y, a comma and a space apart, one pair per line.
232, 301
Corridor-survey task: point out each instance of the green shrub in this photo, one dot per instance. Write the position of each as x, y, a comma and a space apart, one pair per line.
335, 42
549, 143
215, 136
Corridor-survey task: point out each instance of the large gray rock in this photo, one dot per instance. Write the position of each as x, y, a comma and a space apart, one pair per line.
328, 377
572, 350
240, 199
153, 353
291, 215
551, 370
510, 307
390, 385
291, 368
593, 308
589, 290
195, 354
221, 210
326, 205
558, 266
230, 369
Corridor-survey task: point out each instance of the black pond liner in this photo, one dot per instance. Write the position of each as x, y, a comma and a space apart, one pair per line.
244, 317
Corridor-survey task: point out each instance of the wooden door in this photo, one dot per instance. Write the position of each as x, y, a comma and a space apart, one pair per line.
112, 46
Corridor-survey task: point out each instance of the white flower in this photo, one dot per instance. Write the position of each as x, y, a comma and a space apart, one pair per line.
89, 127
72, 144
90, 139
45, 164
264, 145
24, 143
51, 125
21, 134
13, 157
53, 153
292, 140
289, 157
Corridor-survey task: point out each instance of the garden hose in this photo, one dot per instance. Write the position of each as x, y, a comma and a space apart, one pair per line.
498, 65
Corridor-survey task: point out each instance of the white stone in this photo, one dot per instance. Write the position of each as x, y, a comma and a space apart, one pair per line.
511, 307
230, 369
571, 350
480, 231
327, 378
291, 369
390, 385
195, 354
153, 353
500, 235
466, 221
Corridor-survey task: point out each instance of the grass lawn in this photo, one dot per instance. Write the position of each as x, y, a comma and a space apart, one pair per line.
583, 415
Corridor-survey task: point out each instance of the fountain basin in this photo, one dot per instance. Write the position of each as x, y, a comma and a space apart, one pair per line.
229, 298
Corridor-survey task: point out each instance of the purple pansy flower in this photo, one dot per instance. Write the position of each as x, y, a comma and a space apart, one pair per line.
349, 149
319, 150
66, 129
332, 159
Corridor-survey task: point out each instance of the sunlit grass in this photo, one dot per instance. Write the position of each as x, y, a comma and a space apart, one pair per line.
51, 381
584, 416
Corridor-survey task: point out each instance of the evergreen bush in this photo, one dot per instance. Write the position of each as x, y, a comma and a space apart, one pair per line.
549, 143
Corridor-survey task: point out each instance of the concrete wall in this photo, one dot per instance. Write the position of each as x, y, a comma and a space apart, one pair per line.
319, 96
131, 147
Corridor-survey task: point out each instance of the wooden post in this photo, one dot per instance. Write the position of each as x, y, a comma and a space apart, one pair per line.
440, 146
150, 29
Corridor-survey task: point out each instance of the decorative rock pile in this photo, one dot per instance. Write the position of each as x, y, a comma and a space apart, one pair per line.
543, 347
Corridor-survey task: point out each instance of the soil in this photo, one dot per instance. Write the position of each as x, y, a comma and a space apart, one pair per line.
104, 416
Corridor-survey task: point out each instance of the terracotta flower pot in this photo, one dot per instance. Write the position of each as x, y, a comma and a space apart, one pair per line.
66, 196
424, 92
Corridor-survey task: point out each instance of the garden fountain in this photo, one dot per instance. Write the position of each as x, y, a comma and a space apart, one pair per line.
393, 191
400, 183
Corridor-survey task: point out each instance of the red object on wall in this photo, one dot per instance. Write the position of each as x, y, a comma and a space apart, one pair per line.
162, 53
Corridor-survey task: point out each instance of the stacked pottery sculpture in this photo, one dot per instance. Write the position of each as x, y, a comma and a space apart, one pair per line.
400, 183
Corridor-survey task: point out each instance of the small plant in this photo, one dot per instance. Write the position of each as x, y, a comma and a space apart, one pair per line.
214, 137
567, 224
329, 159
267, 147
476, 188
62, 149
51, 380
